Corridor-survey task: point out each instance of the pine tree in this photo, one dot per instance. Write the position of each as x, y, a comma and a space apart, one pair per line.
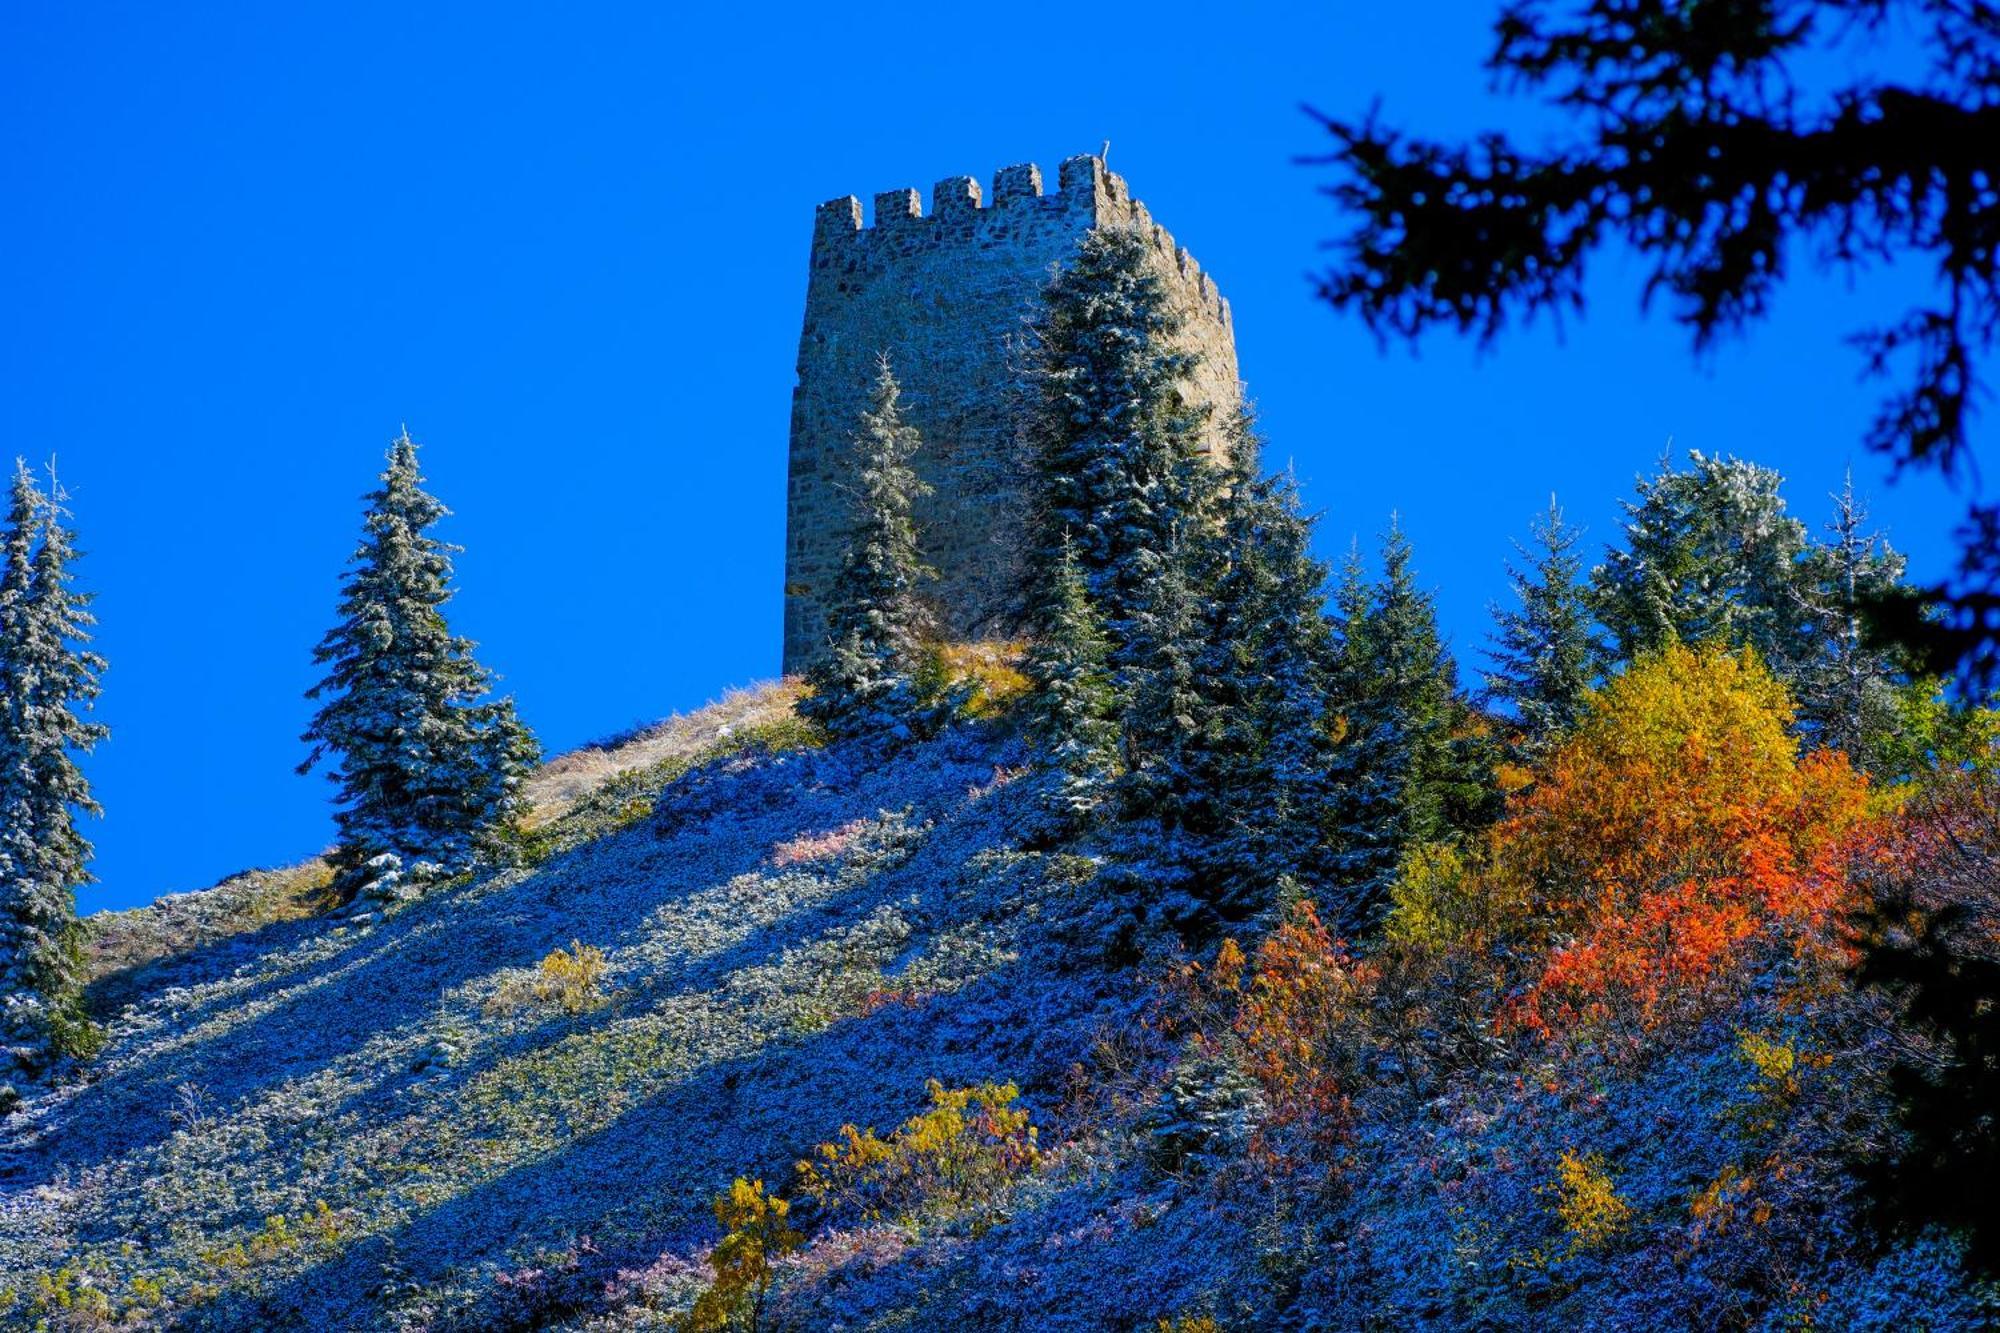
1169, 712
1369, 761
17, 576
1353, 599
1411, 767
1418, 684
426, 765
1268, 665
1709, 555
1170, 793
1543, 653
1851, 694
1114, 440
47, 677
866, 683
1074, 705
1712, 555
1125, 482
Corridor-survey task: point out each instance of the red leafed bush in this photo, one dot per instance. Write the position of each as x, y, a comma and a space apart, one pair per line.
1301, 1021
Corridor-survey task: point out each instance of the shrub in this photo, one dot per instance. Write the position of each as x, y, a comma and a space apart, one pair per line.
755, 1231
1440, 903
810, 847
74, 1035
986, 677
69, 1298
1302, 1022
279, 1236
1776, 1062
1588, 1203
569, 980
788, 731
555, 1286
1206, 1114
951, 1160
1295, 1019
1716, 1207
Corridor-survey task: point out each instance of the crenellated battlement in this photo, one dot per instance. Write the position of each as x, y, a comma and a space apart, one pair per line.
945, 293
1081, 185
1087, 193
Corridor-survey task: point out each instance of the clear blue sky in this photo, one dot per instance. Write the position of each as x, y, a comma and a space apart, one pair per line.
241, 244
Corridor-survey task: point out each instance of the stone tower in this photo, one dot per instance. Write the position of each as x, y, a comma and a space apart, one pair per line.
947, 298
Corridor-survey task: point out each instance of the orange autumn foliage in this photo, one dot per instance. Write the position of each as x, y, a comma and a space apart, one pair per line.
1675, 831
1300, 1020
1292, 1017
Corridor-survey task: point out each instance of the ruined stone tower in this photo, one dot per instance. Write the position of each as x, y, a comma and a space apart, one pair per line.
947, 296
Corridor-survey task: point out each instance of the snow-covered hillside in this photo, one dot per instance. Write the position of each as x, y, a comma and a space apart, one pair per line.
364, 1120
379, 1117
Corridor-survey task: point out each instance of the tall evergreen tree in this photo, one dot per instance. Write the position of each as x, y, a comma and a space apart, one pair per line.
1709, 555
1171, 797
426, 764
1418, 688
17, 576
1370, 760
1113, 438
1851, 693
1543, 652
1269, 662
1170, 710
1074, 705
1409, 769
1124, 479
48, 678
866, 683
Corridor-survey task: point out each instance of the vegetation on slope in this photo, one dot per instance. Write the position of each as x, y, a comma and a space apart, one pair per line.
373, 1119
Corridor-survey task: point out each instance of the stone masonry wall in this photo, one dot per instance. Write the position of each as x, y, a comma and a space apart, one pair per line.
947, 297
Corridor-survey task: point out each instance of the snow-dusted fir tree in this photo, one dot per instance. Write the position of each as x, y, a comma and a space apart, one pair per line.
1170, 755
1231, 662
1124, 484
1371, 763
1112, 436
1543, 650
1410, 769
1169, 792
427, 764
1269, 661
48, 679
1074, 708
1712, 555
1709, 556
866, 683
1851, 693
1172, 796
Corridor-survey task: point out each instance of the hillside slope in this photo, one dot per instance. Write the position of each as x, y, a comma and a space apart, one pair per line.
386, 1088
384, 1118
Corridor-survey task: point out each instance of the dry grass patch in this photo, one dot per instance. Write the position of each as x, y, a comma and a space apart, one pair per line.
567, 779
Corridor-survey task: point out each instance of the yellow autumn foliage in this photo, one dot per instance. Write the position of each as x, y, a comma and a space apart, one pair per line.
952, 1159
1588, 1203
569, 978
755, 1230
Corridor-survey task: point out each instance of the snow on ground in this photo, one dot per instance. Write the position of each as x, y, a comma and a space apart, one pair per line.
384, 1086
370, 1120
